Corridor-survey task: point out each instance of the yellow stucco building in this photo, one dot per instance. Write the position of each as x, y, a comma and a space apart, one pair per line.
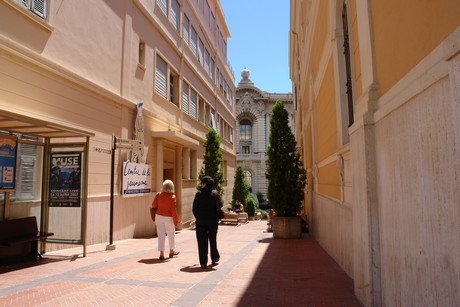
72, 74
377, 116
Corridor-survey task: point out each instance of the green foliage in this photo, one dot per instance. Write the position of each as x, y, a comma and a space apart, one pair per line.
263, 214
212, 161
250, 205
285, 173
240, 187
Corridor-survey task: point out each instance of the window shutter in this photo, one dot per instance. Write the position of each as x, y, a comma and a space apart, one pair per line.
160, 77
200, 52
213, 121
185, 29
193, 96
174, 16
163, 6
39, 7
26, 174
193, 42
25, 3
185, 97
206, 61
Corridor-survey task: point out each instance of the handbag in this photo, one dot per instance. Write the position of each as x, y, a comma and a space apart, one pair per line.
220, 212
153, 209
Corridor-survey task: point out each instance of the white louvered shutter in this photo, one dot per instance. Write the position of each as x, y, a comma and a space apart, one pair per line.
174, 16
39, 7
163, 6
193, 41
193, 98
160, 77
185, 30
185, 97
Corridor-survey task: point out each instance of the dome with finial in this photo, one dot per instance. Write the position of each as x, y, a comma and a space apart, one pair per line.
245, 81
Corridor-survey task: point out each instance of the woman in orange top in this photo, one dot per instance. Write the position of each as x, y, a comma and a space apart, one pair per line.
166, 218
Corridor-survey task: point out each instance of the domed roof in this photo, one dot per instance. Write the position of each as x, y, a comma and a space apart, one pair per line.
245, 81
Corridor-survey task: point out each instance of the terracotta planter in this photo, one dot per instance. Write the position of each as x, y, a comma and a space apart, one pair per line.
287, 227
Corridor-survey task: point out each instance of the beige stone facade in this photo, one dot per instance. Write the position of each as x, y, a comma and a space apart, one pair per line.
253, 108
376, 87
72, 73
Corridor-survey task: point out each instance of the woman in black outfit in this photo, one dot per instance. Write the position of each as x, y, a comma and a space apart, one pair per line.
205, 206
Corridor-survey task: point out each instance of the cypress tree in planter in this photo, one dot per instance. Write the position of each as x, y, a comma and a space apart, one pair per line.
285, 174
212, 160
240, 187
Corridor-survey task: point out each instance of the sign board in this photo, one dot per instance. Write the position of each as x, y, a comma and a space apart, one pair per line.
128, 144
8, 153
136, 179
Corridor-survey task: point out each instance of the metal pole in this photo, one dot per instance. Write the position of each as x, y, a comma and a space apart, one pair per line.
112, 180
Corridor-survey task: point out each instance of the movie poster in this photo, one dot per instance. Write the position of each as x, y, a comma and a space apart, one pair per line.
65, 180
8, 152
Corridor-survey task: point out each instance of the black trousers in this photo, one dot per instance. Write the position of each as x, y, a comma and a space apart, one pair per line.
205, 234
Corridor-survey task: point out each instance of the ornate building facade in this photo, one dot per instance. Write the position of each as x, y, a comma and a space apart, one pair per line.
253, 108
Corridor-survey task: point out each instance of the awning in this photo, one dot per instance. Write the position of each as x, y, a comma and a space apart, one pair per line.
176, 137
17, 123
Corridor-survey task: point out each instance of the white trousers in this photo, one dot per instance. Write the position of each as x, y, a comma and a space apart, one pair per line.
165, 225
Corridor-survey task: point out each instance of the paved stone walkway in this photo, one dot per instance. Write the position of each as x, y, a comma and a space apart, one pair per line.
255, 270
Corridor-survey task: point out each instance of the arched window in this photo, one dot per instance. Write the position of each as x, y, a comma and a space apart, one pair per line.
245, 130
248, 177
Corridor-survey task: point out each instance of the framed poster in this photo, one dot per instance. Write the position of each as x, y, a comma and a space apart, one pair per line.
65, 179
8, 154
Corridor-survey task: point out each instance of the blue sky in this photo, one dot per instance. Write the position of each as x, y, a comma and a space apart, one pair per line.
259, 41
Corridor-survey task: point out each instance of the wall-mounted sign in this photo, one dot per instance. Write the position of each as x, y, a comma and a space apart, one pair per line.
65, 179
8, 153
137, 179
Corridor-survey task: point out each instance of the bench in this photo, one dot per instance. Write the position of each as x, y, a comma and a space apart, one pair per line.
19, 238
230, 218
243, 217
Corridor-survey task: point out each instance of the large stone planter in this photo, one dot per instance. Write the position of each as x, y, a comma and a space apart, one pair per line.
287, 227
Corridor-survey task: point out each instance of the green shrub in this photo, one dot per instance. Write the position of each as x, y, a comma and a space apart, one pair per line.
250, 204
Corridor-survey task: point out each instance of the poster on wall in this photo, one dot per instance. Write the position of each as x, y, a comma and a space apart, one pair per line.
136, 180
65, 179
8, 153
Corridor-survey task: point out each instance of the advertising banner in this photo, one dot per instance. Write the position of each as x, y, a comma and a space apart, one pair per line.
65, 179
8, 153
137, 179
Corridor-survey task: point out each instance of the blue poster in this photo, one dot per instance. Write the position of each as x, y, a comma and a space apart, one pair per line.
8, 152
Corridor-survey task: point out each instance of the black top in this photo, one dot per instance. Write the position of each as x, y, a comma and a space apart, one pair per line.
205, 207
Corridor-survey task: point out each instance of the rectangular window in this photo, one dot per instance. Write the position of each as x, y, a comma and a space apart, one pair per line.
206, 61
246, 150
213, 26
193, 98
212, 69
193, 41
201, 110
201, 52
173, 88
174, 14
186, 30
185, 100
231, 135
207, 11
36, 6
162, 4
160, 77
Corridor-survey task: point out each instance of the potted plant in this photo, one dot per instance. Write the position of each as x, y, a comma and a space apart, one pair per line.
285, 174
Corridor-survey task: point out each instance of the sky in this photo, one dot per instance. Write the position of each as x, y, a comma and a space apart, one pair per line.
259, 41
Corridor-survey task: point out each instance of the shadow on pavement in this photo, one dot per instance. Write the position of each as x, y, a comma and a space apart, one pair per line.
298, 272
